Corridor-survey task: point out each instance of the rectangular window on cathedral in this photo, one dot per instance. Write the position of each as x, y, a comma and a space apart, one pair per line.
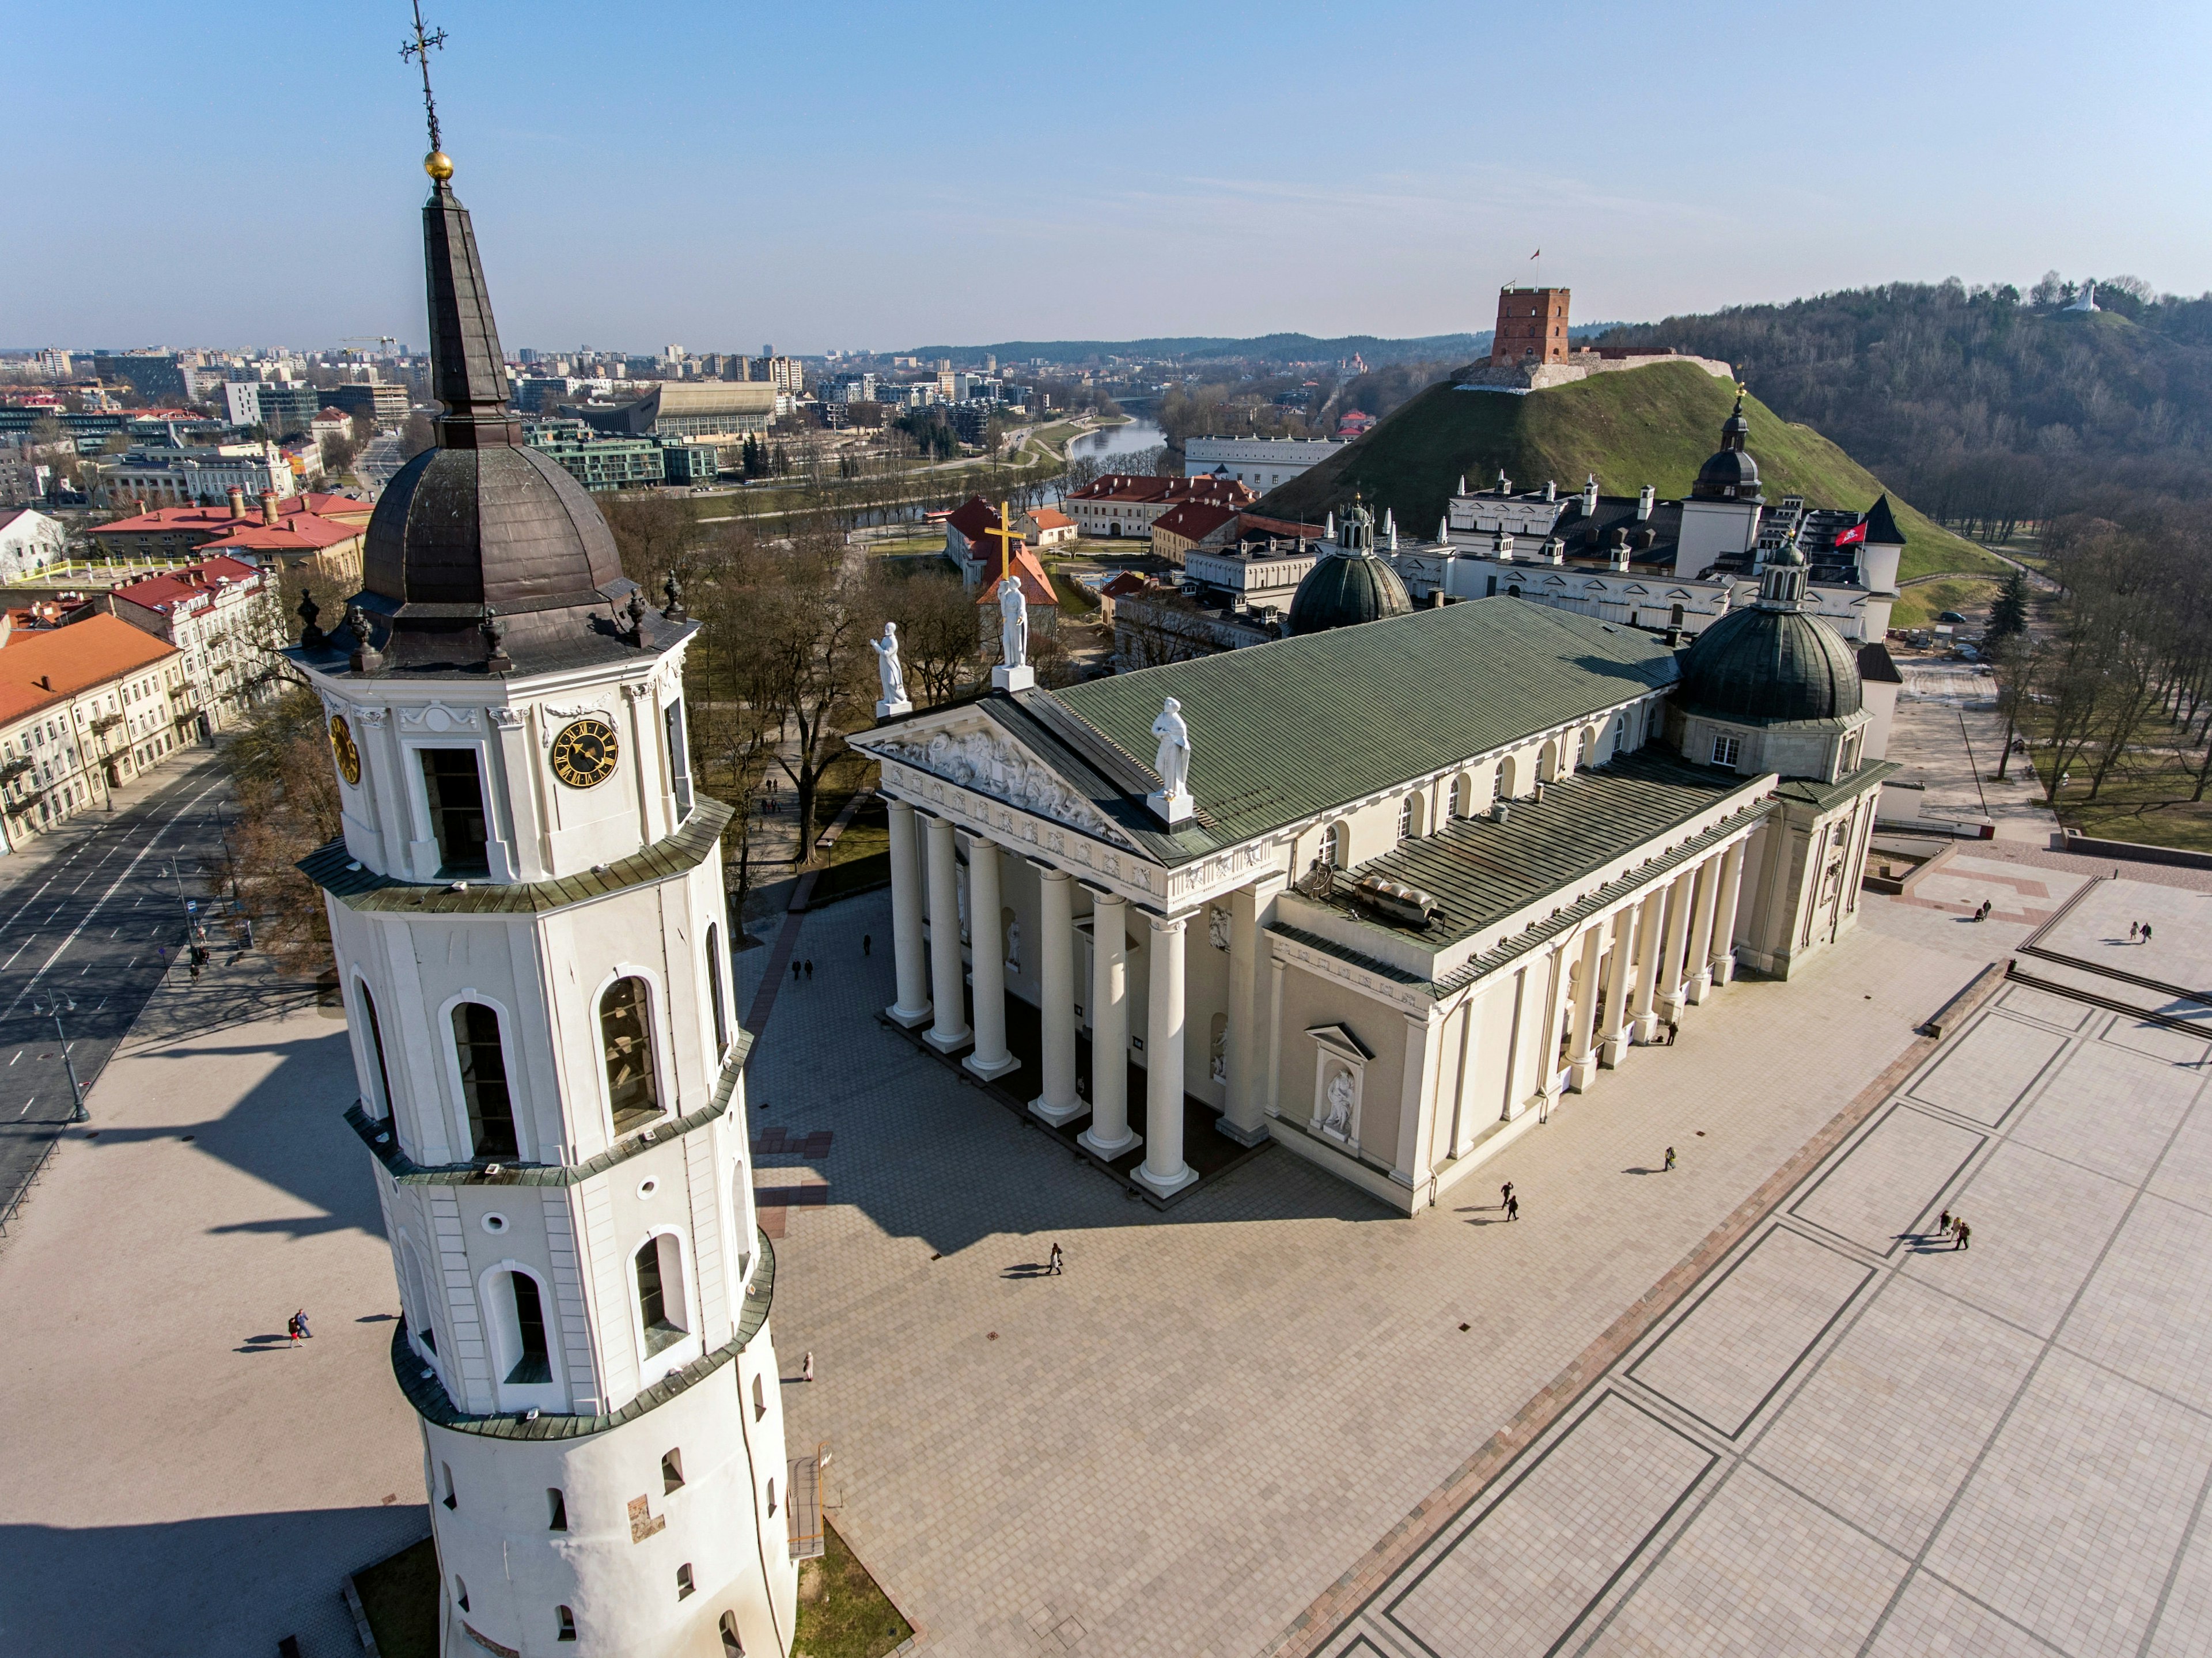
1725, 751
454, 789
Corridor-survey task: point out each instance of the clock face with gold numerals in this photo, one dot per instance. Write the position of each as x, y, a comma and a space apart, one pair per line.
584, 753
343, 747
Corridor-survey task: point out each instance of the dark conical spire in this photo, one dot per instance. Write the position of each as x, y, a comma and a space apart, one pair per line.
1735, 431
467, 374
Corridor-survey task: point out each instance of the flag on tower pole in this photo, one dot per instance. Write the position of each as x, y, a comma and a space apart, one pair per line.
1851, 537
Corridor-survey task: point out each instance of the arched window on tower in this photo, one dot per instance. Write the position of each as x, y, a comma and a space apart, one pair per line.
484, 1081
625, 1038
380, 1104
661, 1306
520, 1310
714, 985
1332, 847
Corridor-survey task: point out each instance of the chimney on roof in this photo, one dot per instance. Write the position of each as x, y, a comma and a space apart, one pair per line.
1643, 503
269, 507
237, 501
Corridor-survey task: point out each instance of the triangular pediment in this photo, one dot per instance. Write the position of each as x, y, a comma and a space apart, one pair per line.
965, 749
1637, 588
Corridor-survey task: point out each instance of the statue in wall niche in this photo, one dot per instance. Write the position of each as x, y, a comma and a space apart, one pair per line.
1173, 760
960, 896
887, 664
1217, 1056
1014, 623
1338, 1123
1216, 927
1013, 944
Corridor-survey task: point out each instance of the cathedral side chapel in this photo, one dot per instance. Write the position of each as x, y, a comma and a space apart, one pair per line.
1387, 891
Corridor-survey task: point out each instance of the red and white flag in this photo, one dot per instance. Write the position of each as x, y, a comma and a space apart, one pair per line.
1851, 537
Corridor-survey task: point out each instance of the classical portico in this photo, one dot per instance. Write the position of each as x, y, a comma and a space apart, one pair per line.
1390, 956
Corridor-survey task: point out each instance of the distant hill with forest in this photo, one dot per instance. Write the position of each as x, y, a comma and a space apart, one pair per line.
1203, 347
1654, 425
1984, 404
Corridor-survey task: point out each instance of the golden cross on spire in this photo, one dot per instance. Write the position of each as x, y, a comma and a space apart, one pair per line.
418, 51
1005, 535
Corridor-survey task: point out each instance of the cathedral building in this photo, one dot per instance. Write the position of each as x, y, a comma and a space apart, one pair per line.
1392, 889
527, 912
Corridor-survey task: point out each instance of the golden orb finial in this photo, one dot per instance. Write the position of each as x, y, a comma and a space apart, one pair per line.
438, 164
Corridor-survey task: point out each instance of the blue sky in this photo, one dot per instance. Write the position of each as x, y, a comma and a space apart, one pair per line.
878, 176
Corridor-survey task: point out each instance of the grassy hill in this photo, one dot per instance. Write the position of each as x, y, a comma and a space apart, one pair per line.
1653, 426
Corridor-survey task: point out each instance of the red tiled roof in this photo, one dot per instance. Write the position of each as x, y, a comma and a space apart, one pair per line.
158, 592
1140, 488
1125, 584
1050, 517
1278, 526
1036, 585
78, 656
973, 517
1193, 520
303, 532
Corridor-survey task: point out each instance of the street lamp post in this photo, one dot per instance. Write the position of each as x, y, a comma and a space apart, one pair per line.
56, 1003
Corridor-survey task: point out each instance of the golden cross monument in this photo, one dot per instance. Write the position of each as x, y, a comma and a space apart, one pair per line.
1007, 540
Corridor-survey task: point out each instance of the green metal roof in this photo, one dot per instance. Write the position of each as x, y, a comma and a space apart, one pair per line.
1482, 872
335, 870
1284, 731
1823, 796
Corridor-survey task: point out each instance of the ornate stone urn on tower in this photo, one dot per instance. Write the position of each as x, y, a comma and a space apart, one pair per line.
527, 912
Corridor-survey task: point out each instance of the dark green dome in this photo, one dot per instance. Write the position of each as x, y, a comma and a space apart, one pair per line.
1771, 664
1343, 590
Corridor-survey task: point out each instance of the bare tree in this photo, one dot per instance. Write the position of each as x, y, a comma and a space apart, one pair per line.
937, 631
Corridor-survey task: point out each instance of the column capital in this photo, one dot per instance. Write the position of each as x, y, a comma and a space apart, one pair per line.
1166, 923
1047, 872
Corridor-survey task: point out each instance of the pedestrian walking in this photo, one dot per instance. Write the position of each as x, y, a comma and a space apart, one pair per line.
795, 973
196, 971
2134, 927
2146, 938
1960, 1233
1505, 1195
1052, 1261
810, 966
1512, 1208
867, 944
1943, 1223
1673, 1031
1670, 1159
806, 1367
300, 1318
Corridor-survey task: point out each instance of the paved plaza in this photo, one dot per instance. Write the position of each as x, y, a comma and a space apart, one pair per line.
1856, 1438
1182, 1443
178, 1478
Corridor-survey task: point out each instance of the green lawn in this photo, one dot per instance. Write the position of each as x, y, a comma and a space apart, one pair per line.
841, 1611
1918, 607
1654, 425
2146, 797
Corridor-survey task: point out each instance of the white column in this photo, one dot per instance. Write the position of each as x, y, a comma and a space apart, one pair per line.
912, 1005
1670, 955
1649, 926
1723, 951
1547, 1073
1056, 976
1700, 973
987, 975
1109, 1135
1582, 1054
1274, 1035
951, 1030
1616, 987
1244, 1119
1164, 1169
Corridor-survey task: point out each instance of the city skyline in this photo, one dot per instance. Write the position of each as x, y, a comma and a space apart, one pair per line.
871, 182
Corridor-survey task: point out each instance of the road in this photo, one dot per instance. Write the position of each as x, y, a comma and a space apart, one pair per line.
92, 915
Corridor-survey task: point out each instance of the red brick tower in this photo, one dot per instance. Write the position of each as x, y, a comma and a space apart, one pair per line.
1532, 325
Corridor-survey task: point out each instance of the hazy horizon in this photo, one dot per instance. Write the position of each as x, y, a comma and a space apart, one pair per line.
875, 178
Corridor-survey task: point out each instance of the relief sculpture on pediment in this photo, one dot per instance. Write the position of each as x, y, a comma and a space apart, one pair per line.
988, 764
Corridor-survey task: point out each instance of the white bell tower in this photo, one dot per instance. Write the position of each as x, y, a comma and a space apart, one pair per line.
528, 917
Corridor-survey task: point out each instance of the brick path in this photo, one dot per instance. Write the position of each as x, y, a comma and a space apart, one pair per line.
1182, 1443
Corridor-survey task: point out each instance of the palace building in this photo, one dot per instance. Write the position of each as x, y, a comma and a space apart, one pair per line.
527, 912
1440, 870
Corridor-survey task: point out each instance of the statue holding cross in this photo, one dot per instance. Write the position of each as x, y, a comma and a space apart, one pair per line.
1013, 672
